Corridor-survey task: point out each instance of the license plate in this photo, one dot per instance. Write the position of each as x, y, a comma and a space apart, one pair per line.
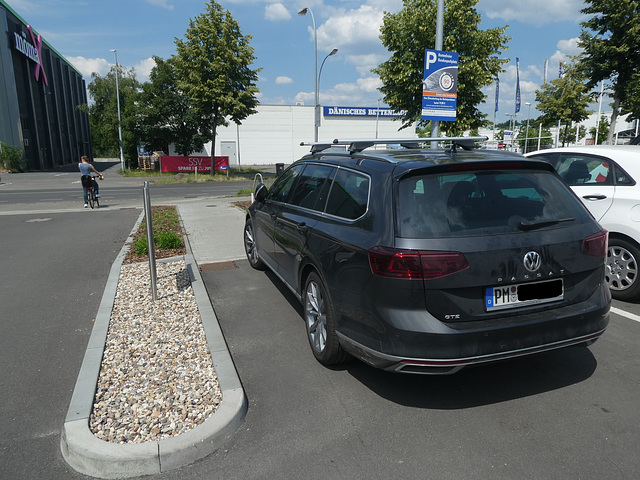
512, 296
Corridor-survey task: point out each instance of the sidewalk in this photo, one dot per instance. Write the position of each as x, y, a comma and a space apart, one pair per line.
214, 233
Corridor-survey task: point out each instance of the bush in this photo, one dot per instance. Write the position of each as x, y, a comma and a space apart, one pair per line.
162, 241
12, 158
140, 247
167, 240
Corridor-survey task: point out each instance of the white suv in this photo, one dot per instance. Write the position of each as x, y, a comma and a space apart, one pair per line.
605, 178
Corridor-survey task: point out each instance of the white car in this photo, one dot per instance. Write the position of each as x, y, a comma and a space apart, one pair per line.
605, 178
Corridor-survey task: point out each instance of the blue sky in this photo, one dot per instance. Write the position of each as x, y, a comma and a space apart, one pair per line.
85, 32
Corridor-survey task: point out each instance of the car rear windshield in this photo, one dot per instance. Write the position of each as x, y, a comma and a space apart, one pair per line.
480, 202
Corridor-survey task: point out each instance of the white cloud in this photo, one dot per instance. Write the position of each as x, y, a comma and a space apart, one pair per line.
87, 66
282, 80
143, 69
161, 3
356, 31
276, 12
566, 49
533, 12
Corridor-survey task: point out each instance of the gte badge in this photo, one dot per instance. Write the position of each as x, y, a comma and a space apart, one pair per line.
440, 85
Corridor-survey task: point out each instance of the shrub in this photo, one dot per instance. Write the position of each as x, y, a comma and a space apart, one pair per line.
140, 247
162, 241
167, 240
12, 158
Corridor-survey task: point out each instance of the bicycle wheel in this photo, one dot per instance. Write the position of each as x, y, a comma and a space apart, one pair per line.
90, 196
96, 200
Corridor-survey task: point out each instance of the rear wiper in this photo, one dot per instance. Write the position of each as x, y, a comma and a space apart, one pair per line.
526, 226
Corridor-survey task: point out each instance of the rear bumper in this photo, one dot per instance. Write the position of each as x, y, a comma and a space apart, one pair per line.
444, 348
438, 366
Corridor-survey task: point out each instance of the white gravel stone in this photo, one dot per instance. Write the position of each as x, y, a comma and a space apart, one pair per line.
157, 379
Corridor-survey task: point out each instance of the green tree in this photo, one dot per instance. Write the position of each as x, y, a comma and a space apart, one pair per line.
213, 64
603, 130
103, 112
564, 99
568, 135
408, 33
164, 114
611, 42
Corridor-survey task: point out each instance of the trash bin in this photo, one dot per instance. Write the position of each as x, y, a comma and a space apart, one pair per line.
279, 169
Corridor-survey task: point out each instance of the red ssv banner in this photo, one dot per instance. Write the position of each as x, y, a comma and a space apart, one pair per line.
189, 164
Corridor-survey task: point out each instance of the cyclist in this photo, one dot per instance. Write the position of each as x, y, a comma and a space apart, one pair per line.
85, 171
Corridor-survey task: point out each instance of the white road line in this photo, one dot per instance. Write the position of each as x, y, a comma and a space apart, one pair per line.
631, 316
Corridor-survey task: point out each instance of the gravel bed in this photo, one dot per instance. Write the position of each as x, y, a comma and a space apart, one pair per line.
157, 379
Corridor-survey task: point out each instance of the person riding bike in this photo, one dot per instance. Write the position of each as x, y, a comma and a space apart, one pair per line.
85, 171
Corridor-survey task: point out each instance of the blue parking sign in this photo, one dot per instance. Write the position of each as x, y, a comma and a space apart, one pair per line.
440, 85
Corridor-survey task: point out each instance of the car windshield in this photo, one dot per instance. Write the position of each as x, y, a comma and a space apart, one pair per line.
483, 202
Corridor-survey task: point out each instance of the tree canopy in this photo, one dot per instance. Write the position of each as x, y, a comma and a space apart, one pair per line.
611, 43
408, 33
164, 114
564, 99
103, 112
213, 65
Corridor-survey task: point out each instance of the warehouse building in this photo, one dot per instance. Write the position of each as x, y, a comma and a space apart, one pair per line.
42, 97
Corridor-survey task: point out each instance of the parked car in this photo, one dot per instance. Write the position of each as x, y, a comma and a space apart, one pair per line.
605, 179
426, 261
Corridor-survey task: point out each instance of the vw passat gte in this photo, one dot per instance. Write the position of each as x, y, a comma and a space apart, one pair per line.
421, 260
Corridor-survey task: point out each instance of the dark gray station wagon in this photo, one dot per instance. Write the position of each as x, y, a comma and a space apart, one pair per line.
421, 260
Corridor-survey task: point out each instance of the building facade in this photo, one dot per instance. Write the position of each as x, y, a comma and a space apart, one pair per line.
275, 133
43, 98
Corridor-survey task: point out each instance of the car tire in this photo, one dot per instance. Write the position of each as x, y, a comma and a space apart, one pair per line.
621, 271
319, 320
251, 248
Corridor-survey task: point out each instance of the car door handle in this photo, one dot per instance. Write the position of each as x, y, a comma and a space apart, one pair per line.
594, 197
302, 228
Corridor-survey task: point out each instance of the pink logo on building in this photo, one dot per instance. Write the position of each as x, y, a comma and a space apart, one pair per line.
38, 46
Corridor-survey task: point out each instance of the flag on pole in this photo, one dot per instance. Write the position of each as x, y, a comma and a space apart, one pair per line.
517, 84
546, 66
497, 92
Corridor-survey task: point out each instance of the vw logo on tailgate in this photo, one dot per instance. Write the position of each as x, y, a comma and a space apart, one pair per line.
532, 261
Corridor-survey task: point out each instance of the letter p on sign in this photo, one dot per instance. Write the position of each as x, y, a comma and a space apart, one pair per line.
431, 58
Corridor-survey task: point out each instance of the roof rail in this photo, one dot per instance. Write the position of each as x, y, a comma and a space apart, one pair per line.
317, 146
355, 146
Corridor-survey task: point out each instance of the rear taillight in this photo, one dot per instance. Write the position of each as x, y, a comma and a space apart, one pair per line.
400, 263
596, 245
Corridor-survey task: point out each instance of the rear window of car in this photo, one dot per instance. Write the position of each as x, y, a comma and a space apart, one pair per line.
482, 202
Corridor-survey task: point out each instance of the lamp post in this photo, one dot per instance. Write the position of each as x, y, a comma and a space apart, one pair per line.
317, 109
302, 13
377, 116
526, 137
115, 53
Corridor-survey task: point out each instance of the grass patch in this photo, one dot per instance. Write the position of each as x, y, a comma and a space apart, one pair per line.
167, 236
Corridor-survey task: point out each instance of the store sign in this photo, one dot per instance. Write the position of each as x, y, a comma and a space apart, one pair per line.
359, 112
32, 50
192, 163
440, 85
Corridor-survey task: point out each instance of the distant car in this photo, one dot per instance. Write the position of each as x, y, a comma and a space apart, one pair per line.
423, 260
605, 178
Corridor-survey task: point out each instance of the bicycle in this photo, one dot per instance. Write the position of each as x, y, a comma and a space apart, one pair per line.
91, 193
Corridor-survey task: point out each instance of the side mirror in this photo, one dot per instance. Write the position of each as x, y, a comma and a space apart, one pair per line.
261, 192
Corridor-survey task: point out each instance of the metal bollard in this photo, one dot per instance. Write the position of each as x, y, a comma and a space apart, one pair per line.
150, 245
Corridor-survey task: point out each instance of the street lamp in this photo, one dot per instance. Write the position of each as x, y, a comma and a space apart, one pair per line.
115, 53
377, 116
302, 13
526, 137
317, 108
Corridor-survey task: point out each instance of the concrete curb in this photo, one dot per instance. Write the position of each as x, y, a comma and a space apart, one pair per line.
91, 456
